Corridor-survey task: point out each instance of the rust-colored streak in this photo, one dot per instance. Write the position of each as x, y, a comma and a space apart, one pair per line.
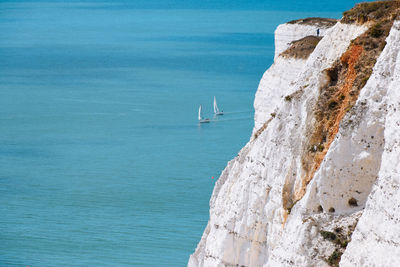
330, 125
345, 79
350, 58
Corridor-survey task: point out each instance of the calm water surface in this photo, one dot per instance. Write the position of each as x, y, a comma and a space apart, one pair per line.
102, 161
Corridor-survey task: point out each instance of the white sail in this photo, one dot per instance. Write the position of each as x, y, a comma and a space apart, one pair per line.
200, 112
216, 110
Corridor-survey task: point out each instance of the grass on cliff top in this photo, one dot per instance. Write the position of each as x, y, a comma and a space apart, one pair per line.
315, 21
371, 11
302, 48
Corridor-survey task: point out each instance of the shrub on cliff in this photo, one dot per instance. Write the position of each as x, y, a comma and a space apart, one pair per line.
376, 30
364, 12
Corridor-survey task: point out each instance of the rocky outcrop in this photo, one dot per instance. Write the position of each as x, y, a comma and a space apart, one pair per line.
297, 29
273, 85
320, 176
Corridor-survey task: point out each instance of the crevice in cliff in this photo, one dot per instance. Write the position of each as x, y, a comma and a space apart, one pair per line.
338, 94
264, 126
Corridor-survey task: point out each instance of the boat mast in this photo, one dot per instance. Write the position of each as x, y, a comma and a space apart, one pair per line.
215, 106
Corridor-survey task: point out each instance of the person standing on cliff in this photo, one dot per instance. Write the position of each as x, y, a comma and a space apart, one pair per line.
317, 32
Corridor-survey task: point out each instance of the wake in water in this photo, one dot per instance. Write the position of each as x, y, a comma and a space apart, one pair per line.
232, 119
237, 112
217, 118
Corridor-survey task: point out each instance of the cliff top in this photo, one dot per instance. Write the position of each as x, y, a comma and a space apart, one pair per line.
371, 11
302, 48
315, 21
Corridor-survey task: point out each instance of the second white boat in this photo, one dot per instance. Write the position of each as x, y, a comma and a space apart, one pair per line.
216, 109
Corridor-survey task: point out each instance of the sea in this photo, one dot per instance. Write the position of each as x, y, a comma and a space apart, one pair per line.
102, 159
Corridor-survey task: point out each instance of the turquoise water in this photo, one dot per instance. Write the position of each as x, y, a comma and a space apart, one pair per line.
102, 160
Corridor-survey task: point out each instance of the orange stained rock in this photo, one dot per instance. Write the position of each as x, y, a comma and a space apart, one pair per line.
349, 58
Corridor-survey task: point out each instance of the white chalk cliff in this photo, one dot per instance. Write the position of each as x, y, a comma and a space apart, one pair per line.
318, 183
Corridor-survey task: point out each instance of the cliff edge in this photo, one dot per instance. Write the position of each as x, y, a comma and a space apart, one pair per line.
318, 182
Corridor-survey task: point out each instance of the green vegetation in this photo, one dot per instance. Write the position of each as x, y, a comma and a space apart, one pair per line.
320, 147
334, 258
364, 80
343, 243
315, 21
328, 235
376, 30
302, 48
340, 240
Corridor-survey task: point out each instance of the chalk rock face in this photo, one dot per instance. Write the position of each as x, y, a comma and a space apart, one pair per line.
249, 204
274, 86
348, 172
376, 239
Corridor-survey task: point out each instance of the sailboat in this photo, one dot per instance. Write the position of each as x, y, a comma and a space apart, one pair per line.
216, 109
201, 119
